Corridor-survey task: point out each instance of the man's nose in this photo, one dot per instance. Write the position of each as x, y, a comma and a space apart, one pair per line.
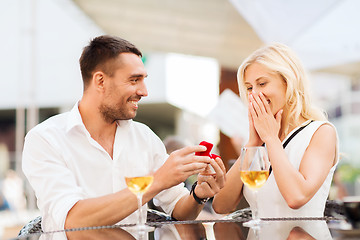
142, 90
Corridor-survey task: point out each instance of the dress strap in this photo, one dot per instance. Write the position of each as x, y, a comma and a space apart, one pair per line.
294, 134
291, 137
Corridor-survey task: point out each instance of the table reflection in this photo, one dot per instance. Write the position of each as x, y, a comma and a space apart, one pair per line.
90, 234
299, 233
234, 230
116, 233
291, 230
181, 231
276, 229
230, 230
310, 229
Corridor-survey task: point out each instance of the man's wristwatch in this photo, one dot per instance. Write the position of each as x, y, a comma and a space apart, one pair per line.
197, 199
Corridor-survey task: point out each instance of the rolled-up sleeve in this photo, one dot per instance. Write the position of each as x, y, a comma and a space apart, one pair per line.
168, 198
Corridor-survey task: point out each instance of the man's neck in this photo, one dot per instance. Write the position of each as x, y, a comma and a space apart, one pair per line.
100, 130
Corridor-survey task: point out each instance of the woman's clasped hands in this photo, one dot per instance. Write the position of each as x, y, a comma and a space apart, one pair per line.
264, 125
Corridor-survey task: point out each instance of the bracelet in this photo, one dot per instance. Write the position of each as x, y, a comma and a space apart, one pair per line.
197, 199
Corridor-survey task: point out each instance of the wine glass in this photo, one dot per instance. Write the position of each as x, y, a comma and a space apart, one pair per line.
139, 180
254, 171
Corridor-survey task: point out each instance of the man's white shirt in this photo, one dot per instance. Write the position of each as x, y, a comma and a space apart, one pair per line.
64, 165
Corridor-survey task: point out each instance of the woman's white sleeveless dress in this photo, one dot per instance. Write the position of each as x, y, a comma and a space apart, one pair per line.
270, 201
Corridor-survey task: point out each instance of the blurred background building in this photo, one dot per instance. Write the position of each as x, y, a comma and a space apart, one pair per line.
192, 49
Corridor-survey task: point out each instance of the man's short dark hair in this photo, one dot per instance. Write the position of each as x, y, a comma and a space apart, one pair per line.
99, 55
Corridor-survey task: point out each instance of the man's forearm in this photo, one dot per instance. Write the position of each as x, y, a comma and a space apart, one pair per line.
106, 210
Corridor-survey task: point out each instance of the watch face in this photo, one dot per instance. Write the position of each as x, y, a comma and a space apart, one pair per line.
204, 200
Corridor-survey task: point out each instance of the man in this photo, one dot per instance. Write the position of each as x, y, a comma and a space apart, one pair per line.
76, 161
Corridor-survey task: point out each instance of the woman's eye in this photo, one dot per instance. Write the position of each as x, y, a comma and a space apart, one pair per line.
249, 89
262, 84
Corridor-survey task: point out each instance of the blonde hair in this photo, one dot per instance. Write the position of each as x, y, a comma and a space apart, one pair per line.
280, 59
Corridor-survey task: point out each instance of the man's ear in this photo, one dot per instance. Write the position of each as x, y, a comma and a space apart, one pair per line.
98, 80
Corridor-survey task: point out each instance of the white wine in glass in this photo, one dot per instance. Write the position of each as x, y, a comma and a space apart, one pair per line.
254, 179
139, 185
254, 172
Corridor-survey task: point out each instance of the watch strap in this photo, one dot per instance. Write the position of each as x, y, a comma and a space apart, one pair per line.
197, 199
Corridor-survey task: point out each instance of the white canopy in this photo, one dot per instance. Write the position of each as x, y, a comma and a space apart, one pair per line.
324, 33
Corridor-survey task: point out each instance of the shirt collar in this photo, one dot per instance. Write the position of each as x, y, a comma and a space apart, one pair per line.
74, 118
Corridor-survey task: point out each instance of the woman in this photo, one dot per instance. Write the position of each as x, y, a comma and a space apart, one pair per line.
274, 84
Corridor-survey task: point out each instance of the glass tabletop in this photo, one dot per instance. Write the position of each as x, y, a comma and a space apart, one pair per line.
306, 228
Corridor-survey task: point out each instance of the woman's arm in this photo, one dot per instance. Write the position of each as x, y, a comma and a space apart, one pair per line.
299, 186
230, 195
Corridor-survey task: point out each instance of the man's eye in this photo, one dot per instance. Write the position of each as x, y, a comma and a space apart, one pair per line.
262, 84
249, 89
134, 80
